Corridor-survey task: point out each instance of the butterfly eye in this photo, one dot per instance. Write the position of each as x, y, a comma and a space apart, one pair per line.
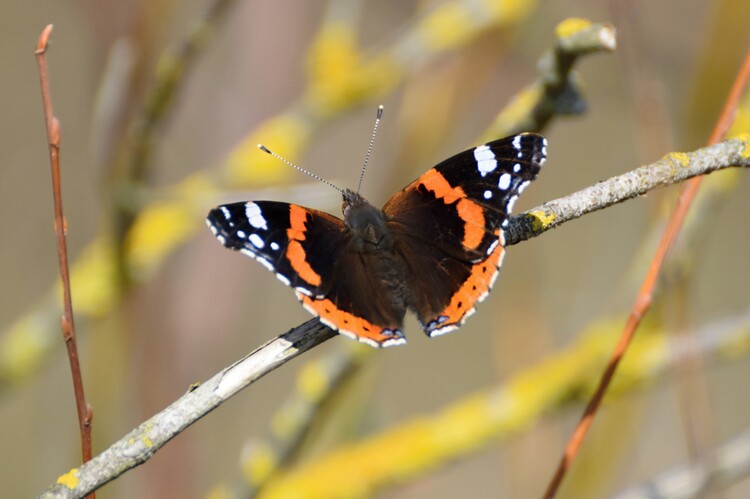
345, 207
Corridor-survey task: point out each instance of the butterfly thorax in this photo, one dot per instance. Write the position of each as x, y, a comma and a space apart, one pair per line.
367, 224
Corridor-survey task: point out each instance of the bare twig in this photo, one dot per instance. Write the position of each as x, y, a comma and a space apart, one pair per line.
144, 441
140, 444
85, 413
645, 294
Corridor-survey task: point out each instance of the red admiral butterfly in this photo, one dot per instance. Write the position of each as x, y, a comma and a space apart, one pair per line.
435, 247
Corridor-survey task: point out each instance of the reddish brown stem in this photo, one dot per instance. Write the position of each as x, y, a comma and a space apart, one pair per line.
645, 294
85, 413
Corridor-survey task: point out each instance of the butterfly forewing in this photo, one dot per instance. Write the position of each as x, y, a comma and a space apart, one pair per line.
450, 220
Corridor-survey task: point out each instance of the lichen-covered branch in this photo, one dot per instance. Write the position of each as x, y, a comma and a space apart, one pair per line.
416, 447
728, 464
673, 168
555, 92
140, 444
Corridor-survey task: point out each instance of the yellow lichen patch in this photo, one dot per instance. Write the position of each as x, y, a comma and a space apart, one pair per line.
286, 135
745, 139
448, 25
313, 381
93, 279
741, 123
160, 228
23, 345
509, 11
541, 219
258, 463
515, 113
147, 441
680, 158
571, 26
69, 479
339, 76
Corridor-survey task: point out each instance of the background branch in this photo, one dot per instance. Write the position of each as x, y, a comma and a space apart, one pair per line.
728, 464
645, 295
139, 445
85, 413
673, 168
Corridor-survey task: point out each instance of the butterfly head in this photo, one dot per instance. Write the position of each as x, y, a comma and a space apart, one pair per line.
366, 222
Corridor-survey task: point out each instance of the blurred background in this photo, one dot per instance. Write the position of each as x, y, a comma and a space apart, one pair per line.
160, 304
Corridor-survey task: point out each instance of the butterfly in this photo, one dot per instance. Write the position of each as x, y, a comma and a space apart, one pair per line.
435, 248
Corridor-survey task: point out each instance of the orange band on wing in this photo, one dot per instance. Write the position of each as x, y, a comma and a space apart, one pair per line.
297, 257
475, 288
297, 220
470, 212
344, 322
434, 181
295, 253
473, 216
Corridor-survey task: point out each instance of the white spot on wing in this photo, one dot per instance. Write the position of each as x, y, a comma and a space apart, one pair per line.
225, 211
241, 234
504, 181
257, 241
517, 142
516, 168
254, 216
523, 186
487, 194
275, 246
485, 158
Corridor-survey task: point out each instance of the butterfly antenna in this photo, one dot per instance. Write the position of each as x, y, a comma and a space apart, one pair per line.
316, 177
369, 148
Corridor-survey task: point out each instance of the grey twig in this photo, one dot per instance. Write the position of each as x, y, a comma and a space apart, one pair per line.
729, 464
140, 444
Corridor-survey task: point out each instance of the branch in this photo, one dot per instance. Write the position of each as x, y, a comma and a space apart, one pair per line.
139, 445
673, 168
729, 464
645, 295
555, 92
85, 413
